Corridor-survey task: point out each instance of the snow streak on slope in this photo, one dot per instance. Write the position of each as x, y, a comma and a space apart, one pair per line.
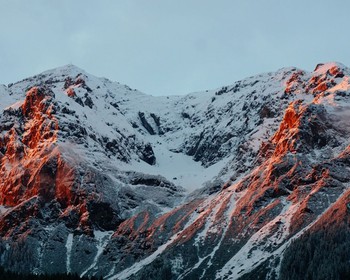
69, 246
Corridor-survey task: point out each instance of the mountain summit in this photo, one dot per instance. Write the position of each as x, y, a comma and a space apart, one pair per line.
250, 180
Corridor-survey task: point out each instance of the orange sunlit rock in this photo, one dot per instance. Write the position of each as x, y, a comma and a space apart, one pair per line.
321, 87
70, 92
29, 165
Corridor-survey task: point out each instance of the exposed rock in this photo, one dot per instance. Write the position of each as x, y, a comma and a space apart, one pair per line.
145, 123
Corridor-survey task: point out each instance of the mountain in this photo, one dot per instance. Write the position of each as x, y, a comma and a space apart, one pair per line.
246, 181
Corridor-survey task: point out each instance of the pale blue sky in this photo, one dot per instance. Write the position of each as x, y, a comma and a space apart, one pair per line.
171, 47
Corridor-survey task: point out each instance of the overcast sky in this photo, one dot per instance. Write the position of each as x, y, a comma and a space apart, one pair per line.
171, 46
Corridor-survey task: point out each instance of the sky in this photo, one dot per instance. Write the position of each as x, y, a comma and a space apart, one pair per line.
164, 47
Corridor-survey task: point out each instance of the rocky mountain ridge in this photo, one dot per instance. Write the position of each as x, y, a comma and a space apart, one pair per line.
120, 184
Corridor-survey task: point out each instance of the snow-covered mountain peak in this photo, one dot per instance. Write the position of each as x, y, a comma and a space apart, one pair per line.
322, 68
94, 173
65, 70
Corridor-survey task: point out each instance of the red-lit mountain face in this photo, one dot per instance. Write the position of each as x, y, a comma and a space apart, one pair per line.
250, 180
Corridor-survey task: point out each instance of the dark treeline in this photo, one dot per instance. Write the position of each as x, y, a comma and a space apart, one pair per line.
321, 255
9, 275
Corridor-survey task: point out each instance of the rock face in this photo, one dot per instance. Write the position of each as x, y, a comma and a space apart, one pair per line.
95, 177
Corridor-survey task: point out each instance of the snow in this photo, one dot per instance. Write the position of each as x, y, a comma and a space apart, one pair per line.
6, 99
342, 86
178, 168
69, 245
262, 133
15, 105
322, 69
4, 209
177, 264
